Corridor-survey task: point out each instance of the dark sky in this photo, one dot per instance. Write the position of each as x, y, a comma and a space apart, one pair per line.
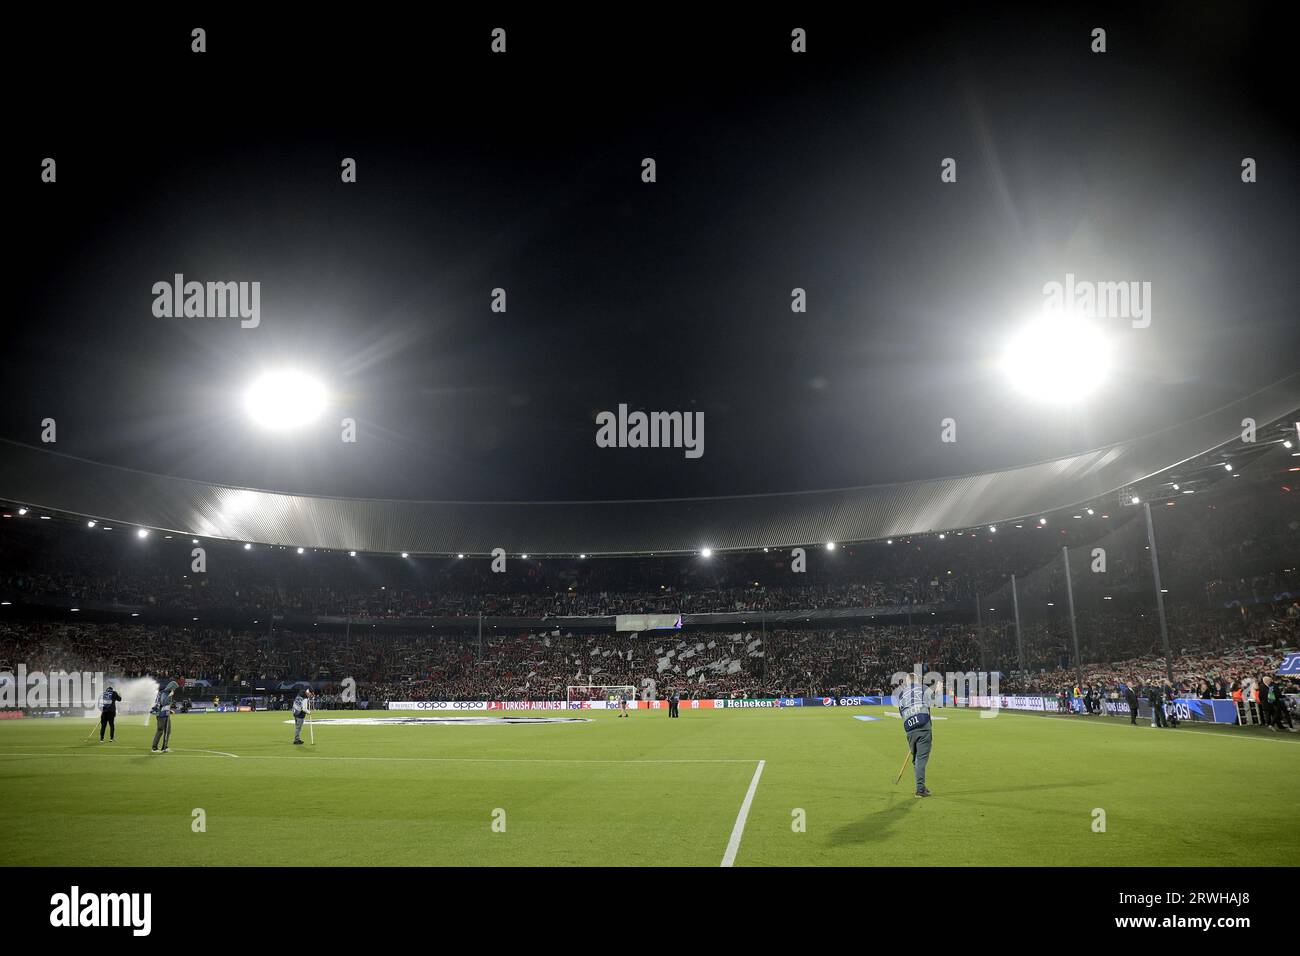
522, 171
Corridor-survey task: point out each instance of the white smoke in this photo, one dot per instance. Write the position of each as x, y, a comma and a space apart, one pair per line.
138, 695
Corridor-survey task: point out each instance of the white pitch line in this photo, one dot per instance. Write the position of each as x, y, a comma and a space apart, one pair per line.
733, 846
80, 754
192, 750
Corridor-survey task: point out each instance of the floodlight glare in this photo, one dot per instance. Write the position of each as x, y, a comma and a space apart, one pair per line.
706, 552
141, 533
284, 399
1057, 359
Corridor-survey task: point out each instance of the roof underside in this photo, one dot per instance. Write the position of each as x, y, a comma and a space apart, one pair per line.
40, 478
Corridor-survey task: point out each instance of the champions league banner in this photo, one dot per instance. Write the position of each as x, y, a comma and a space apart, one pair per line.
1290, 666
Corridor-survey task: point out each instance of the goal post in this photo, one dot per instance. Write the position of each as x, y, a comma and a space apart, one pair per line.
606, 695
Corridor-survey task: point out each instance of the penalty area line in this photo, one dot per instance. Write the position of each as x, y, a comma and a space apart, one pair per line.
551, 760
737, 831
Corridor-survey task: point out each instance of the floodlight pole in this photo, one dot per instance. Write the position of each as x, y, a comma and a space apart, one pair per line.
1074, 631
1160, 597
1020, 647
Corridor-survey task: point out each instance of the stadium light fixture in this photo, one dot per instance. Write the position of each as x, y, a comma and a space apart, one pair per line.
1175, 486
582, 556
706, 552
75, 610
194, 540
248, 547
1091, 512
300, 550
889, 541
993, 529
90, 524
460, 556
941, 535
405, 555
141, 533
1042, 521
830, 545
22, 511
45, 517
1135, 500
1227, 467
1057, 359
284, 399
1287, 443
352, 554
524, 557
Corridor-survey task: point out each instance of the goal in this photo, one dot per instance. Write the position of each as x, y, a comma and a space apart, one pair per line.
602, 695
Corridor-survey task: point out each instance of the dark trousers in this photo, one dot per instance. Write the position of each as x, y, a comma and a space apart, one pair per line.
1159, 711
106, 719
672, 708
164, 732
1132, 711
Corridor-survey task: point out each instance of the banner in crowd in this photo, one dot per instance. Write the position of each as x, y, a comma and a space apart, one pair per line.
647, 622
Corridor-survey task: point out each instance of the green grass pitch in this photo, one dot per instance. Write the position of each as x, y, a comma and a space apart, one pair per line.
1017, 789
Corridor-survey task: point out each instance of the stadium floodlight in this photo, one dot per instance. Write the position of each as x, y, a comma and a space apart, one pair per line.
248, 547
300, 550
1091, 512
1057, 359
22, 511
889, 541
1175, 486
1135, 500
1042, 521
1287, 443
706, 552
352, 554
830, 545
993, 529
90, 524
460, 555
405, 555
194, 540
524, 557
141, 533
1227, 467
284, 399
582, 555
941, 535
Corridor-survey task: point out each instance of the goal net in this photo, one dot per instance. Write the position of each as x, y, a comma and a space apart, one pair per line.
607, 695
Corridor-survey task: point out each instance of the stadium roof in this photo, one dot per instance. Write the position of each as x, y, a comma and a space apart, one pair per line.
59, 483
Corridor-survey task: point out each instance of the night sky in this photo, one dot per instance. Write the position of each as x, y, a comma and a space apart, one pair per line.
523, 171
